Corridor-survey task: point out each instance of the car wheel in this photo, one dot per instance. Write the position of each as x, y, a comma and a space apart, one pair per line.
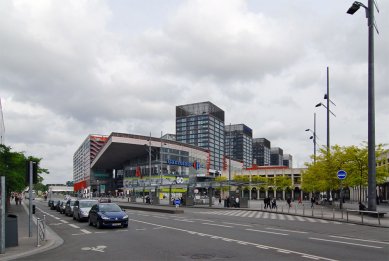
99, 225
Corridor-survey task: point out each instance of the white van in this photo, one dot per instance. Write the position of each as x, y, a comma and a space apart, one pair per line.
27, 194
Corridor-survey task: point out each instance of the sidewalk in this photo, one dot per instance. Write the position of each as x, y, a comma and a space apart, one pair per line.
349, 213
28, 245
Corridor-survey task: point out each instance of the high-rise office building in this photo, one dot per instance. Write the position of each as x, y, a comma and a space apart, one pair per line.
287, 160
261, 152
202, 124
276, 156
239, 143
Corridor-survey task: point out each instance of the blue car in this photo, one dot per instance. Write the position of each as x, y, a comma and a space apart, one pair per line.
107, 215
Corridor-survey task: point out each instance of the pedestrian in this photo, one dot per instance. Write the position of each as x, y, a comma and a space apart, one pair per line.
220, 200
288, 201
312, 201
361, 206
237, 205
228, 201
300, 202
16, 199
264, 202
268, 201
274, 203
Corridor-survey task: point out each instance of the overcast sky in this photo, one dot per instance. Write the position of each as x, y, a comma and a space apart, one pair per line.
73, 68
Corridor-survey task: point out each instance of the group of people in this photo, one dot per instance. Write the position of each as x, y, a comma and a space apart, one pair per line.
232, 202
17, 197
270, 203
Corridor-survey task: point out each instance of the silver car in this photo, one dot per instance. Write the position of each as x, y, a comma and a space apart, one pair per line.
82, 207
69, 207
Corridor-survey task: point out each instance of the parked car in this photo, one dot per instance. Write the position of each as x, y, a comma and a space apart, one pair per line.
81, 208
69, 207
56, 205
107, 215
50, 202
62, 206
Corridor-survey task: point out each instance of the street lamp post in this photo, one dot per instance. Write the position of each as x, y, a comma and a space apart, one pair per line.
372, 204
313, 137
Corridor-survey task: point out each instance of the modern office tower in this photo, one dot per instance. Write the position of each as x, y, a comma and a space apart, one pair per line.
261, 152
2, 128
202, 124
276, 156
82, 160
239, 143
287, 160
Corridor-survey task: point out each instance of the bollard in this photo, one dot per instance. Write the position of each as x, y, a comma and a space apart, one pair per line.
362, 217
288, 209
321, 212
342, 212
333, 213
303, 210
378, 215
282, 209
37, 231
312, 212
347, 215
295, 209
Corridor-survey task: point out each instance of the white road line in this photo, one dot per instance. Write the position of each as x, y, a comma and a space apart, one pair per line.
252, 214
206, 220
236, 224
229, 213
311, 257
364, 240
238, 213
85, 231
72, 225
299, 218
161, 217
289, 217
215, 225
246, 213
259, 215
286, 230
64, 221
273, 216
341, 242
312, 220
268, 232
57, 218
265, 215
237, 241
184, 220
281, 217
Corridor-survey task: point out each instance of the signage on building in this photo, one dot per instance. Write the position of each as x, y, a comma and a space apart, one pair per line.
194, 164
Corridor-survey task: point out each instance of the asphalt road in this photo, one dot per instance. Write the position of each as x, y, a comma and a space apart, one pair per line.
203, 234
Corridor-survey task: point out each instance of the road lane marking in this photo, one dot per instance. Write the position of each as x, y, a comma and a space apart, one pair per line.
289, 217
72, 225
281, 217
259, 215
365, 240
252, 214
310, 257
273, 216
236, 241
265, 215
238, 213
299, 218
245, 214
85, 231
287, 230
183, 220
312, 220
341, 242
268, 232
205, 220
228, 223
64, 221
218, 225
323, 221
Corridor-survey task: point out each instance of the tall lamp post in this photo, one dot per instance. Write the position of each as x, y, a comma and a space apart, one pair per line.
372, 204
313, 137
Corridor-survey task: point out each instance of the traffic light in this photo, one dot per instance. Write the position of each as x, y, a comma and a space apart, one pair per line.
34, 172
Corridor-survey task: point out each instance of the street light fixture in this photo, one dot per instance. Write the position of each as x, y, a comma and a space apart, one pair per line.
372, 204
313, 137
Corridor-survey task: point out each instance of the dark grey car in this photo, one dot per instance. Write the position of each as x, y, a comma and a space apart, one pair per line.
69, 207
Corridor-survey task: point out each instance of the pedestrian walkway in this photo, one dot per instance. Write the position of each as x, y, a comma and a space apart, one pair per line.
28, 245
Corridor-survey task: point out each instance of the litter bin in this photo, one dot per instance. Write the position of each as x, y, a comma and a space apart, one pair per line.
11, 230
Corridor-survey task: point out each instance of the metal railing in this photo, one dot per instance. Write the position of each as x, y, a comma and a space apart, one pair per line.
41, 230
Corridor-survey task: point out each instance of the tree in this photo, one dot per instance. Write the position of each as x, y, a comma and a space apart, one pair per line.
13, 167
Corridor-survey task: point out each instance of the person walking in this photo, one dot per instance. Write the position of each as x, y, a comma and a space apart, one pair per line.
288, 201
312, 201
274, 203
265, 202
220, 200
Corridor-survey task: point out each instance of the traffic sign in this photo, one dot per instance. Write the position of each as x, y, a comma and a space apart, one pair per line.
342, 174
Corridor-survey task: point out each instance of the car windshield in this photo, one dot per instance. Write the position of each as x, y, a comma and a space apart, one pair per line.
109, 208
87, 204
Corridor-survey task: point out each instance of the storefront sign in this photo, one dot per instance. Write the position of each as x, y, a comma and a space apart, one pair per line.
194, 164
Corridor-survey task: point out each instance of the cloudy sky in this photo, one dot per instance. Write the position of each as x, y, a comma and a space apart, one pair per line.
73, 68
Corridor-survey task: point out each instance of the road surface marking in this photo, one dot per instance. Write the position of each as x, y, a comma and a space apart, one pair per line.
140, 229
265, 215
300, 218
259, 215
228, 223
64, 221
281, 217
341, 242
161, 217
323, 221
234, 240
218, 225
287, 230
312, 220
57, 218
311, 257
206, 220
246, 213
289, 217
85, 231
273, 216
72, 225
238, 213
359, 239
183, 220
98, 248
268, 232
252, 214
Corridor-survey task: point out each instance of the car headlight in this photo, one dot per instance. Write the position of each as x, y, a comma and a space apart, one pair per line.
104, 217
125, 217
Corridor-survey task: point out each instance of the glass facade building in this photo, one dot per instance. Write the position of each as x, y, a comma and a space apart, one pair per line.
202, 125
261, 152
239, 143
276, 156
287, 160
